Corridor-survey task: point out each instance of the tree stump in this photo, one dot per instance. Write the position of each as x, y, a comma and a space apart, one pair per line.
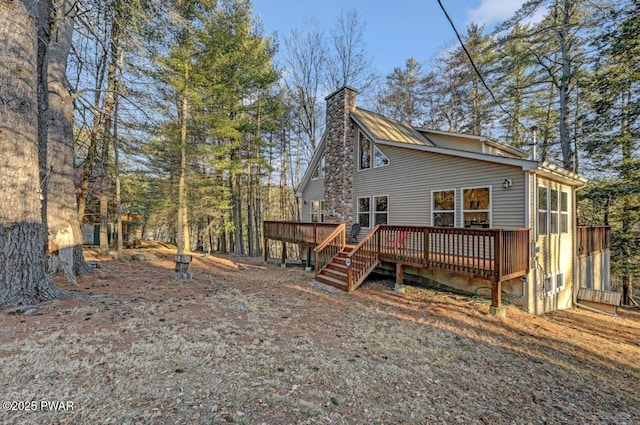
182, 266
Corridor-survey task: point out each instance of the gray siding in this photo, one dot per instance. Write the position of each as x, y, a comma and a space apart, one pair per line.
453, 142
411, 176
314, 191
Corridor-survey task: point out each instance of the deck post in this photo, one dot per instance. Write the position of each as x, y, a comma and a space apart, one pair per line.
283, 262
308, 264
399, 286
497, 309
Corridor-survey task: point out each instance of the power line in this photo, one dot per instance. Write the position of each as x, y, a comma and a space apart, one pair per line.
473, 65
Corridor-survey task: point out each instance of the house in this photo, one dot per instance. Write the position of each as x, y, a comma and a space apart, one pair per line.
463, 211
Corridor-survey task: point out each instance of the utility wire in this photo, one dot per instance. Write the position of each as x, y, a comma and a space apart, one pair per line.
486, 86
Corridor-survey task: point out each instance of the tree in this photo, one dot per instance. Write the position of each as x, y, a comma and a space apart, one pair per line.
403, 98
64, 234
613, 125
23, 279
304, 61
348, 62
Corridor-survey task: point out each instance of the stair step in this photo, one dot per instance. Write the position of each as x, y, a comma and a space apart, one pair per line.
337, 274
340, 266
331, 281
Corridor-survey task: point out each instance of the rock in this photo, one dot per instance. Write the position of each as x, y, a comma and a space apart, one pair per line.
143, 257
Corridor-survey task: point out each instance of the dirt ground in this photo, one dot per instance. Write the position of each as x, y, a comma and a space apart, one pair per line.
252, 344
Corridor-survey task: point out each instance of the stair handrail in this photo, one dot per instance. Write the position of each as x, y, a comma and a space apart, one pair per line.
351, 265
340, 233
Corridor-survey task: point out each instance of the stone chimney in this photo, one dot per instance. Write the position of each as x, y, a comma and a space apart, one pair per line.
339, 156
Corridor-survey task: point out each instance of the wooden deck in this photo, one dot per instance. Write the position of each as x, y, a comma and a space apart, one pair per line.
496, 255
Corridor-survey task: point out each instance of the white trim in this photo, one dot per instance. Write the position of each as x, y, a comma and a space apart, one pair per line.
358, 211
490, 210
539, 210
454, 211
373, 210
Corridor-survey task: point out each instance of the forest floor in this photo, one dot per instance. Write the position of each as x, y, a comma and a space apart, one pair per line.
252, 344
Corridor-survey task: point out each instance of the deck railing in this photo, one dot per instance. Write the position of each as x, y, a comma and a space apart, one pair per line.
298, 232
590, 239
330, 247
496, 254
362, 259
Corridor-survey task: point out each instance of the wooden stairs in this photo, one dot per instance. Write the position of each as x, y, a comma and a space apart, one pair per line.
336, 272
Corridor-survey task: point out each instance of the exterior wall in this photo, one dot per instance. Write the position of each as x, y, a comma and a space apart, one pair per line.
453, 142
411, 175
593, 271
339, 158
313, 191
551, 254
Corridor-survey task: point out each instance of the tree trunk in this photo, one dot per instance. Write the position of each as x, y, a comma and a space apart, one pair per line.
563, 89
23, 279
183, 224
64, 233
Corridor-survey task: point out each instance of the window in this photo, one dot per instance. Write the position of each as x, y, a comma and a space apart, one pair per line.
319, 172
370, 155
542, 211
554, 283
364, 212
564, 212
443, 208
365, 152
379, 159
381, 212
559, 282
476, 207
317, 211
553, 211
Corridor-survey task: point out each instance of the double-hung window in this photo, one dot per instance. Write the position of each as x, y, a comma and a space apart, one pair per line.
364, 212
476, 207
443, 209
381, 212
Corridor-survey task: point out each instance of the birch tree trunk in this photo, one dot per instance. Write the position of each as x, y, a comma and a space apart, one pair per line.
23, 279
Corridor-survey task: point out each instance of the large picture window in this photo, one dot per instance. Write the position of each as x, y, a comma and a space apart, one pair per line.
317, 211
381, 212
476, 207
364, 212
370, 155
443, 208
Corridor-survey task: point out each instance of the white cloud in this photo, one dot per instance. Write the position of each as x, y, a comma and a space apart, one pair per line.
490, 12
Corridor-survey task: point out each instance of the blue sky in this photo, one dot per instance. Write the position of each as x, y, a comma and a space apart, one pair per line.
395, 30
